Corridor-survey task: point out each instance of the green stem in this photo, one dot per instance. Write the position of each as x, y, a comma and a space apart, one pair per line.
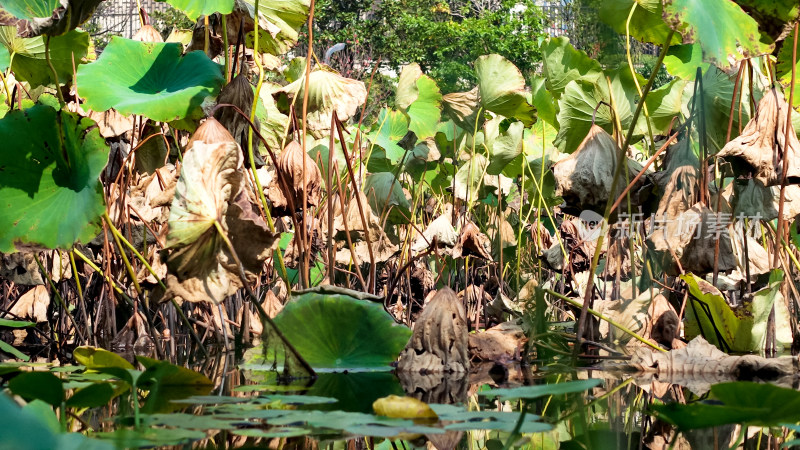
620, 163
59, 298
600, 316
259, 188
53, 69
227, 48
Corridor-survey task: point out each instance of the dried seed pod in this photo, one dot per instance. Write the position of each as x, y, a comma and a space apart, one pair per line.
147, 34
238, 92
290, 169
211, 132
762, 148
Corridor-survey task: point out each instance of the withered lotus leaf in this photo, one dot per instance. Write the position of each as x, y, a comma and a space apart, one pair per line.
147, 34
327, 92
584, 178
762, 149
290, 169
240, 93
211, 190
440, 342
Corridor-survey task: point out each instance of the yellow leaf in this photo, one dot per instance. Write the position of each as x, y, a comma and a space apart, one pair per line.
403, 408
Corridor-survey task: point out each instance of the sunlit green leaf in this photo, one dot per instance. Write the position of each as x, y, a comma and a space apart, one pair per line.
49, 189
563, 63
197, 8
724, 31
148, 78
501, 87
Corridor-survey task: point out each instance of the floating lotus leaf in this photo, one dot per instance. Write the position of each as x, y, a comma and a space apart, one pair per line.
724, 31
150, 79
419, 97
197, 8
279, 20
29, 63
327, 92
341, 332
49, 188
502, 88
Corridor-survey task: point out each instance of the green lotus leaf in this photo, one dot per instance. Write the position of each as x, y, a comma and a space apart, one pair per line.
683, 60
274, 123
663, 104
579, 101
341, 332
724, 31
150, 79
383, 191
327, 92
505, 148
774, 17
546, 106
646, 24
48, 17
738, 329
563, 63
420, 98
783, 69
29, 63
30, 9
736, 402
388, 130
469, 178
197, 8
49, 188
279, 21
502, 88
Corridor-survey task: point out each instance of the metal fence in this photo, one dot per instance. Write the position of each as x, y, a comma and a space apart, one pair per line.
584, 30
121, 17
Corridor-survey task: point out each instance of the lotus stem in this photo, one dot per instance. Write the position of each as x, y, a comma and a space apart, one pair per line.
53, 70
600, 316
227, 48
86, 316
250, 156
595, 259
59, 298
306, 254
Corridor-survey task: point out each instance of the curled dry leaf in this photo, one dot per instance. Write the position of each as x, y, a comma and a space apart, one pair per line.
290, 171
440, 340
472, 242
20, 268
199, 41
240, 93
753, 199
133, 335
211, 191
327, 92
440, 231
502, 343
584, 178
33, 304
111, 123
147, 34
762, 149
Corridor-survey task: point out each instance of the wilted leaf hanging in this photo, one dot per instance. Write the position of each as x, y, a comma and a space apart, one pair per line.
762, 149
300, 184
327, 92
